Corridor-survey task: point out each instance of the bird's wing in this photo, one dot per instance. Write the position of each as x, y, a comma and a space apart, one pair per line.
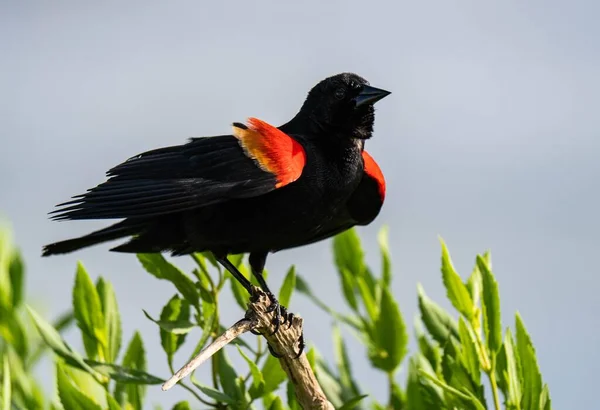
256, 159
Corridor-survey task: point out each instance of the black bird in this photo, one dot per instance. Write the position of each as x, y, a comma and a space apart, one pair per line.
260, 190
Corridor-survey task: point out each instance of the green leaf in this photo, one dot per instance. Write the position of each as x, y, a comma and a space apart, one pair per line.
64, 321
17, 276
449, 357
214, 394
373, 284
462, 380
70, 397
530, 371
469, 351
239, 293
513, 382
182, 405
6, 385
87, 309
348, 252
292, 400
25, 392
227, 375
457, 291
474, 286
545, 402
210, 257
124, 375
174, 324
428, 349
386, 263
268, 399
112, 403
204, 286
53, 339
210, 318
349, 260
134, 359
348, 287
501, 371
200, 261
303, 287
112, 319
273, 374
329, 383
277, 404
311, 356
85, 383
438, 322
257, 388
289, 283
491, 307
455, 392
59, 324
391, 338
367, 297
343, 364
414, 395
397, 396
352, 403
159, 267
13, 331
237, 259
6, 252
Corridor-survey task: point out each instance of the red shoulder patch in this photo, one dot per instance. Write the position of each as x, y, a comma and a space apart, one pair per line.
273, 150
373, 170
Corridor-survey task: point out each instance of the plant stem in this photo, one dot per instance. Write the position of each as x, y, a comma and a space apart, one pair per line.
494, 384
390, 376
188, 388
215, 359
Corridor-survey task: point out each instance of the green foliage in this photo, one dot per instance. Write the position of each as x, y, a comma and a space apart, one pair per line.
463, 361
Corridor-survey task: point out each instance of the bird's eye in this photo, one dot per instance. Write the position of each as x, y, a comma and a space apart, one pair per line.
340, 93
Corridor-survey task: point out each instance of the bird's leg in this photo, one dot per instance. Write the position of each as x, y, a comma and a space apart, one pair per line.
257, 265
239, 276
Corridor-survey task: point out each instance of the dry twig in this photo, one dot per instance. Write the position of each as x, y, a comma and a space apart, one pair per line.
284, 343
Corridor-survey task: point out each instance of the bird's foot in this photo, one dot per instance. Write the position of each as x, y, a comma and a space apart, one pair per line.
281, 314
281, 317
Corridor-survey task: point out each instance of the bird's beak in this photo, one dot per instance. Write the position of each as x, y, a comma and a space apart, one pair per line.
370, 95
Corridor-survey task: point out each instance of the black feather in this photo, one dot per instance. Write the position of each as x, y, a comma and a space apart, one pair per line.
168, 180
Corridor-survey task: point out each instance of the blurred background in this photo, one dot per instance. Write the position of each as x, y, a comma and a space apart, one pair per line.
490, 139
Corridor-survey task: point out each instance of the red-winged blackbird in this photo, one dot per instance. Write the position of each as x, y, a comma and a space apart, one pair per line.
257, 191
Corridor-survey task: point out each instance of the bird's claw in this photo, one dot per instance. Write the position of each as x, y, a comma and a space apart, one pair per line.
273, 352
301, 346
280, 312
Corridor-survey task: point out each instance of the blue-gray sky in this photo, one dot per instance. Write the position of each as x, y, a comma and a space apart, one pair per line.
490, 139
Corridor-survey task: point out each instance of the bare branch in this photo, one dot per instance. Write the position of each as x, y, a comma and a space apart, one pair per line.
285, 343
238, 329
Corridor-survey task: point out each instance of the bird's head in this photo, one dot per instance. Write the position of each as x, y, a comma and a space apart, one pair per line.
342, 106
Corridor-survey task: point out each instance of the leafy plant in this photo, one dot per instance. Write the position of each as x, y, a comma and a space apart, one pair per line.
462, 362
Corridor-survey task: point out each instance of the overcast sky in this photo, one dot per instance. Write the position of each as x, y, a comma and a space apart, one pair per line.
489, 139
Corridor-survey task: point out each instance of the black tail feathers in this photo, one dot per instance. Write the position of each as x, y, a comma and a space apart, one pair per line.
116, 231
